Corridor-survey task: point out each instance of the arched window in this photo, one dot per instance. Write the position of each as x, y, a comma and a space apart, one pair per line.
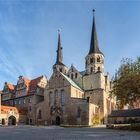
75, 75
71, 76
99, 69
91, 69
98, 59
62, 98
60, 69
50, 98
91, 60
88, 99
39, 114
56, 94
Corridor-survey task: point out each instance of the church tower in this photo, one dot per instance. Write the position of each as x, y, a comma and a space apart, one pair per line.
59, 65
95, 58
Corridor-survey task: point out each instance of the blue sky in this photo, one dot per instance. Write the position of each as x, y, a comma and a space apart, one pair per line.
28, 34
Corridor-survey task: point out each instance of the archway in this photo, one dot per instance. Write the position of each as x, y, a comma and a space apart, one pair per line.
11, 120
57, 120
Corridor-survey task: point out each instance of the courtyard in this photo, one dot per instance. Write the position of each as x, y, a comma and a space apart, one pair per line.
60, 133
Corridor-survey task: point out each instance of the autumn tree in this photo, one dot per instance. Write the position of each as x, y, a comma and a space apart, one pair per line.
126, 82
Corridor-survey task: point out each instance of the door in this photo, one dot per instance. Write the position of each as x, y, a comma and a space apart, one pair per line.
57, 120
11, 120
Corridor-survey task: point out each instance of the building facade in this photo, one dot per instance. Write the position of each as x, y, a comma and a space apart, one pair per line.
77, 97
25, 95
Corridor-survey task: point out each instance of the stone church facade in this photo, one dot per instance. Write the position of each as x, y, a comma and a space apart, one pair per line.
75, 97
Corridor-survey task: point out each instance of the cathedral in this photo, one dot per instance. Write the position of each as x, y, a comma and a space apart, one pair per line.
78, 97
73, 97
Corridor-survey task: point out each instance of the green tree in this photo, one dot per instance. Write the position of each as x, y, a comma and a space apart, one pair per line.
126, 82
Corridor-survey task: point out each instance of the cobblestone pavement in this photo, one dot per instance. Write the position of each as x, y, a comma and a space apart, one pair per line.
59, 133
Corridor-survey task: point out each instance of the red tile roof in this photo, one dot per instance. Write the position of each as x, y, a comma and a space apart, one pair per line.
5, 109
11, 86
34, 83
27, 81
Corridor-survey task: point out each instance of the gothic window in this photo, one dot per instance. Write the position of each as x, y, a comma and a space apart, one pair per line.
60, 69
71, 76
39, 114
75, 75
88, 99
30, 108
62, 98
78, 112
99, 69
91, 60
72, 70
50, 98
55, 96
98, 59
91, 69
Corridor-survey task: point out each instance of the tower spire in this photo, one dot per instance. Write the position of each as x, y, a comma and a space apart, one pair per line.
59, 58
94, 47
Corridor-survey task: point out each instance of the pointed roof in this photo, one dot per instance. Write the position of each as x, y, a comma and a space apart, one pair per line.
94, 47
59, 58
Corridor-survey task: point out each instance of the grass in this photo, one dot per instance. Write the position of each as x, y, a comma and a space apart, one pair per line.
130, 127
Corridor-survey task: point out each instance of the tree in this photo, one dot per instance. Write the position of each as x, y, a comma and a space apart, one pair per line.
126, 82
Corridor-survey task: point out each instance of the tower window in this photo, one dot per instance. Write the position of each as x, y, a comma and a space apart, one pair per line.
71, 76
99, 69
91, 69
98, 59
88, 99
91, 60
72, 69
62, 97
60, 69
75, 75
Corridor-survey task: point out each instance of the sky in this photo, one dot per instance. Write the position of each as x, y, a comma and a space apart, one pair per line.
29, 34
